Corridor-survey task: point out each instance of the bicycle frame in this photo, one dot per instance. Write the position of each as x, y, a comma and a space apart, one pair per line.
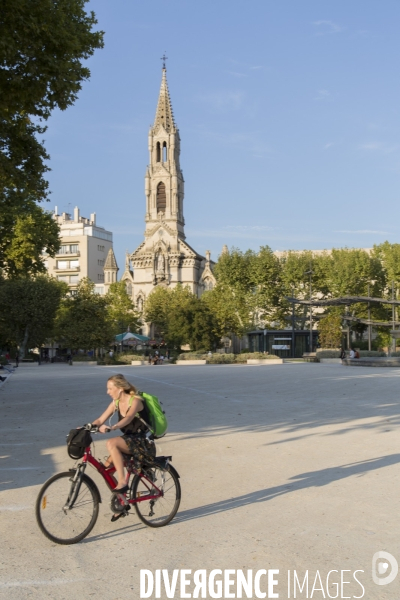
108, 472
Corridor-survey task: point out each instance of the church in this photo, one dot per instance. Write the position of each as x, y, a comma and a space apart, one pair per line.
164, 258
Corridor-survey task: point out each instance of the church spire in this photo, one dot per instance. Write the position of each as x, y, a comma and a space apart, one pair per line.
164, 114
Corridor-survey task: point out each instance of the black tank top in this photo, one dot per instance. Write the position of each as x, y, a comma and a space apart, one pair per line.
136, 425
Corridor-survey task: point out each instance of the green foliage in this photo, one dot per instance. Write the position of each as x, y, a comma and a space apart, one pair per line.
28, 310
31, 232
181, 318
348, 272
296, 283
389, 256
247, 291
120, 309
225, 358
41, 49
330, 331
242, 358
383, 339
328, 354
82, 321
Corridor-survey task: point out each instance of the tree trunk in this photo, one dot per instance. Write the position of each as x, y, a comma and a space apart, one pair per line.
22, 348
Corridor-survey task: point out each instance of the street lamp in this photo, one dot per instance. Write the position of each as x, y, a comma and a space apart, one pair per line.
310, 272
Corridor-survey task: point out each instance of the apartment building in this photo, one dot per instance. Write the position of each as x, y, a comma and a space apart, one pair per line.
83, 252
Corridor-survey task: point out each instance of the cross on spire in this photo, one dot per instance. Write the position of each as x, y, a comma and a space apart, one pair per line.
164, 58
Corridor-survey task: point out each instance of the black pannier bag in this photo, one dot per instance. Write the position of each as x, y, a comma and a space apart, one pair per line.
77, 441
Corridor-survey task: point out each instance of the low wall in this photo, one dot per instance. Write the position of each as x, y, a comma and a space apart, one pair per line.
265, 361
84, 363
372, 362
191, 362
334, 361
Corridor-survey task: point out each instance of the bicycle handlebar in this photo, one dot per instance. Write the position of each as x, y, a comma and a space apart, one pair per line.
91, 428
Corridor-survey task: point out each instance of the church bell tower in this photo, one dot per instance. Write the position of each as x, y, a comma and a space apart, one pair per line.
165, 258
164, 184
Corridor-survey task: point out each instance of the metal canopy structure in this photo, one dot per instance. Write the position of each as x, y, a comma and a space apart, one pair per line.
369, 322
345, 301
349, 300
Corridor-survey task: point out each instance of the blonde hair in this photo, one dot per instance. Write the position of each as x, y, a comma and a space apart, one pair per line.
120, 382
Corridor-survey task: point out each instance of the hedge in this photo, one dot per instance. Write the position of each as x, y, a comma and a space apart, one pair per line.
221, 359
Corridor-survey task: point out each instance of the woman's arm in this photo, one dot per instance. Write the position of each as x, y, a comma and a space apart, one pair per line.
106, 414
136, 405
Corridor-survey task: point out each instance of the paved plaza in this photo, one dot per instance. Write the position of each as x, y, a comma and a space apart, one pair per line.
289, 467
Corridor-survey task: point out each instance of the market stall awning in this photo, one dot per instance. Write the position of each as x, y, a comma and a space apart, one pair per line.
124, 337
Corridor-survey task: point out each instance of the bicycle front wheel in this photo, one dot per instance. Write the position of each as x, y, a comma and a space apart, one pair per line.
158, 512
59, 523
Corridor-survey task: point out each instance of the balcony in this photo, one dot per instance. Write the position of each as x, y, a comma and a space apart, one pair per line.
67, 269
61, 254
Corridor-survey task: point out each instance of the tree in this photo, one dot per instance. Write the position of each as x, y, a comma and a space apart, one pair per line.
233, 298
248, 290
193, 324
28, 310
120, 308
265, 272
42, 44
295, 282
82, 321
330, 331
31, 232
181, 318
389, 257
162, 301
349, 272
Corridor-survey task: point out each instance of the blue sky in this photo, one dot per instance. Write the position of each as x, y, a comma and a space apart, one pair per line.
288, 112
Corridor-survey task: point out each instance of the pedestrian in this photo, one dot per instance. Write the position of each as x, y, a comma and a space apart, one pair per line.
352, 353
342, 353
17, 359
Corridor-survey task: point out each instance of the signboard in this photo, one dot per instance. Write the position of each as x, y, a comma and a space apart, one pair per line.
280, 347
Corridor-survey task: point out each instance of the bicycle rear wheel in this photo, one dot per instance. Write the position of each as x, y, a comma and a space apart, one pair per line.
59, 523
158, 512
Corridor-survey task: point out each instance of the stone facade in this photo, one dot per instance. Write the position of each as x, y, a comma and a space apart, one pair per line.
165, 258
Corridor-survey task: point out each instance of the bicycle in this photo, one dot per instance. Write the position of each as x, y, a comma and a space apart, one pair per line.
67, 506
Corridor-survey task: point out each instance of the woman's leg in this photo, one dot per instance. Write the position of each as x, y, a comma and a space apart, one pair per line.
116, 446
107, 462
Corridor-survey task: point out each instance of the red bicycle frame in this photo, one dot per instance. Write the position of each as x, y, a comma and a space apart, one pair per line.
108, 475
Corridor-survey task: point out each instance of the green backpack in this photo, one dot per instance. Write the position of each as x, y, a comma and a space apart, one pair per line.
158, 421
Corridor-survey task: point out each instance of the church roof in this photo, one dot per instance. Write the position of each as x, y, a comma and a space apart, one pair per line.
164, 114
111, 261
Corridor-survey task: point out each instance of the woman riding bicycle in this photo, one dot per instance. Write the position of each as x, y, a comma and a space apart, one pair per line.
132, 420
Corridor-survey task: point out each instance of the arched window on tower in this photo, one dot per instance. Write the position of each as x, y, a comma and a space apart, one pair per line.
164, 152
161, 197
158, 152
129, 288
